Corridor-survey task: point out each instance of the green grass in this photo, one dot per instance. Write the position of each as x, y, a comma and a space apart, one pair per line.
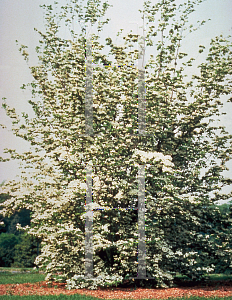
211, 277
81, 297
220, 277
8, 277
29, 275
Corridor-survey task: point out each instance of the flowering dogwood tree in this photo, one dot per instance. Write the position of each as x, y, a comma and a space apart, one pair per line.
184, 153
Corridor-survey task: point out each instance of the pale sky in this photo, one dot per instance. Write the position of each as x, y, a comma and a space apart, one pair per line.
17, 22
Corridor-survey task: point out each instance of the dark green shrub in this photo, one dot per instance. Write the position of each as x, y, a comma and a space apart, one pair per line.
7, 248
25, 252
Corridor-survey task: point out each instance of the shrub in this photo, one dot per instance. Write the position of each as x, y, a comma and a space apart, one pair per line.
25, 252
7, 248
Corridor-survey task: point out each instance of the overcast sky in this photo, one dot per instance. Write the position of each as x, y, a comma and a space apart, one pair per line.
17, 22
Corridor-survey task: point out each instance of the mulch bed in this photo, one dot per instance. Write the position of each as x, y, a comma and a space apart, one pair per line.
206, 289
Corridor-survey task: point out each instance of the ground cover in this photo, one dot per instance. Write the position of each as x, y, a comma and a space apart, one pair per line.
31, 285
79, 297
17, 277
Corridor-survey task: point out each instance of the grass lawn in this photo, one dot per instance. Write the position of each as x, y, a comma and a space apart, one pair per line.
12, 276
29, 275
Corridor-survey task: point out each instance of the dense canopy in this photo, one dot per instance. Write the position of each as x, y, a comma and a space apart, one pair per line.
182, 151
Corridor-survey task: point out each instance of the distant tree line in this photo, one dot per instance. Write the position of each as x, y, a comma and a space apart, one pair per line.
17, 249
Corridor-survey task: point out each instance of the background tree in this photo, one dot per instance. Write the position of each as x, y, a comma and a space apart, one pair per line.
3, 198
9, 224
186, 152
26, 251
223, 237
225, 207
17, 249
7, 248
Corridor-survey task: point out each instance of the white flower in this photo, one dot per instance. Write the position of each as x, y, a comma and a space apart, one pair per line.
156, 156
83, 185
119, 195
97, 183
74, 184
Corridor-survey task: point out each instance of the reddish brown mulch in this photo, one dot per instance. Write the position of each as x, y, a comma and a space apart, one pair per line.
220, 289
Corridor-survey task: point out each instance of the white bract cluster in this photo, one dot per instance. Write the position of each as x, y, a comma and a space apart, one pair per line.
147, 157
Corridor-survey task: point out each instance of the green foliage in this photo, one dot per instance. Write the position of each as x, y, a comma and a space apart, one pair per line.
26, 251
20, 248
186, 153
7, 248
3, 224
225, 208
223, 238
22, 217
9, 224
